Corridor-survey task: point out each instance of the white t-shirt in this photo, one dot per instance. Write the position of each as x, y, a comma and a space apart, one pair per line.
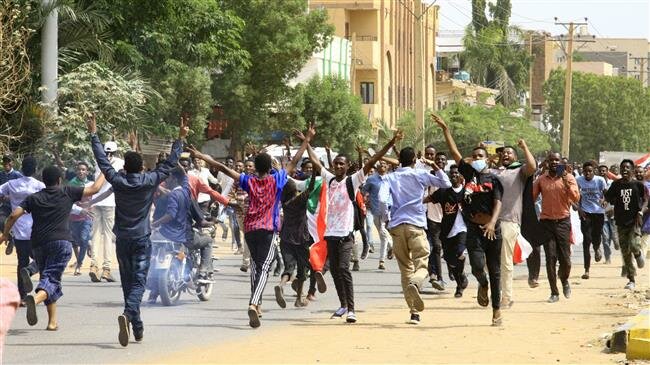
340, 211
459, 223
118, 164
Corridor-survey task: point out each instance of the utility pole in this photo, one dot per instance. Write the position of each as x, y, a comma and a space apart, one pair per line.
49, 57
530, 75
566, 122
417, 38
435, 58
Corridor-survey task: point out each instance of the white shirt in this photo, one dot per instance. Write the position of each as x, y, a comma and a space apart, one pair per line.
459, 223
17, 190
118, 164
340, 211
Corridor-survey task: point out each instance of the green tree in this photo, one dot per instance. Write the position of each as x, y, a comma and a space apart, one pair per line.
492, 53
280, 36
607, 114
119, 102
336, 112
471, 125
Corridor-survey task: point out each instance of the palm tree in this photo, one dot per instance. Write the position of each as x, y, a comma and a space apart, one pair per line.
495, 60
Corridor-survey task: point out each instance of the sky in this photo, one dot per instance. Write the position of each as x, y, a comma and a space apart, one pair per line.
606, 18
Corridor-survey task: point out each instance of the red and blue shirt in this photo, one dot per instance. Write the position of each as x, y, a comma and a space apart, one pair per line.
264, 206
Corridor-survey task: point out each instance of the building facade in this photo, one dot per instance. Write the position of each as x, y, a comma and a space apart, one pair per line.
381, 33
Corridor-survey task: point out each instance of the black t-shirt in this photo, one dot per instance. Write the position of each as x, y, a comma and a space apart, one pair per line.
627, 198
481, 189
50, 210
450, 201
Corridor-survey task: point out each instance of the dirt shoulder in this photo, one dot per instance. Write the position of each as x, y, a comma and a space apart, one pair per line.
452, 330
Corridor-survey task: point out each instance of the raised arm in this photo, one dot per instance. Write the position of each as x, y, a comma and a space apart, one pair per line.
98, 150
531, 163
328, 151
216, 164
397, 136
94, 188
453, 149
301, 150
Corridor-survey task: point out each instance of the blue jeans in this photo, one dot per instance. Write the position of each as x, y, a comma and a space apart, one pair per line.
81, 232
133, 257
52, 258
234, 226
608, 237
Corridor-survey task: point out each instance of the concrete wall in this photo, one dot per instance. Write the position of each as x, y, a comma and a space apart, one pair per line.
598, 68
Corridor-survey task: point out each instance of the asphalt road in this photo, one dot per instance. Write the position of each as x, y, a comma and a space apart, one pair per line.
88, 315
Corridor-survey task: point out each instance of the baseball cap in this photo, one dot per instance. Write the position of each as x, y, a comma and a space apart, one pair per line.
110, 146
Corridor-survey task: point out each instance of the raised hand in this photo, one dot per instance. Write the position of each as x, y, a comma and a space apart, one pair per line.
311, 131
91, 123
194, 152
298, 134
398, 135
358, 148
522, 144
438, 120
184, 127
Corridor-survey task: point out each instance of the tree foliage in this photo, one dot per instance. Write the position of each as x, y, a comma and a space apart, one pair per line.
119, 102
280, 36
336, 112
471, 125
492, 53
607, 114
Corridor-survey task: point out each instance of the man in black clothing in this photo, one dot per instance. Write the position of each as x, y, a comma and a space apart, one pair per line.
134, 192
628, 197
481, 209
453, 232
51, 247
295, 241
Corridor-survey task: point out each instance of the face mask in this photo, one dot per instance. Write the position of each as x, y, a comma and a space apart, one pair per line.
479, 165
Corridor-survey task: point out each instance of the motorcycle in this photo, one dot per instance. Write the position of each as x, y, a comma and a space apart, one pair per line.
175, 269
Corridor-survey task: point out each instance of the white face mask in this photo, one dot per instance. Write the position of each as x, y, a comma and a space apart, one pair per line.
479, 165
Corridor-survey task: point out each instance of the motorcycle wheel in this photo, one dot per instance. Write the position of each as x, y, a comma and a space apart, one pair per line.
204, 291
168, 285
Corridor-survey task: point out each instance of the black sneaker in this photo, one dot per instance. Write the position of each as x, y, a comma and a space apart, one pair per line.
124, 334
482, 296
566, 290
279, 296
320, 282
415, 319
553, 298
10, 247
459, 292
26, 280
533, 283
389, 255
30, 304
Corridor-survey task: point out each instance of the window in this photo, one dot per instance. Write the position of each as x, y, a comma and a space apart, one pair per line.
368, 92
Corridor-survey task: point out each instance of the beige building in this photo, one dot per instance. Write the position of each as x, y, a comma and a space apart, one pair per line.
383, 64
451, 90
628, 56
592, 67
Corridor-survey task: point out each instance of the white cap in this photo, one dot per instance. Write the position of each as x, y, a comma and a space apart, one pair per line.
110, 146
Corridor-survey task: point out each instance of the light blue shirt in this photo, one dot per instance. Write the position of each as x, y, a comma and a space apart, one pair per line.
376, 187
592, 194
17, 190
407, 186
